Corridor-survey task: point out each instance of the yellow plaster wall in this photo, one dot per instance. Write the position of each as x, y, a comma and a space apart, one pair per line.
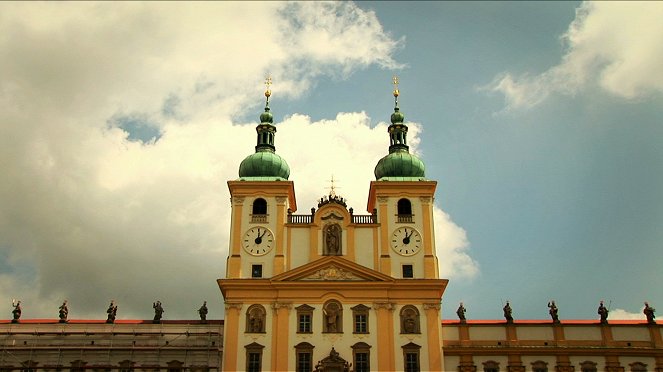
582, 333
630, 333
364, 246
450, 333
497, 333
535, 333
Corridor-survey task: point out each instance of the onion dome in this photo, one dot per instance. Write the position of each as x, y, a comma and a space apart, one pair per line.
265, 164
399, 164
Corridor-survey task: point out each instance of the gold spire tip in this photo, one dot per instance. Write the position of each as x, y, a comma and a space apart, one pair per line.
268, 84
395, 82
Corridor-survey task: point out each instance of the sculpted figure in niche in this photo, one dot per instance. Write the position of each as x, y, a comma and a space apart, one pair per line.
256, 320
332, 317
409, 320
333, 240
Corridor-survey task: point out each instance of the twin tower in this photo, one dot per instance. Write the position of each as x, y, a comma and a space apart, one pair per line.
332, 290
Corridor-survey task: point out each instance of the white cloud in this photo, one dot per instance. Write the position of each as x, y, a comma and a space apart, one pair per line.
89, 215
616, 45
621, 314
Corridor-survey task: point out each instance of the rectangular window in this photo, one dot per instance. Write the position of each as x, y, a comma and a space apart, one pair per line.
411, 362
256, 271
408, 271
361, 362
361, 323
304, 362
253, 363
304, 323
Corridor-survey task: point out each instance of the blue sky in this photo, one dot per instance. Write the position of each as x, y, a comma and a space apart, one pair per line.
540, 121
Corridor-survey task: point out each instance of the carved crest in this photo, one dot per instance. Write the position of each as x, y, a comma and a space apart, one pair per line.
332, 273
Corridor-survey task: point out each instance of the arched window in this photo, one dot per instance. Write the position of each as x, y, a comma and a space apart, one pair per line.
175, 366
404, 208
588, 366
491, 366
255, 319
332, 314
410, 319
539, 366
332, 235
638, 367
259, 210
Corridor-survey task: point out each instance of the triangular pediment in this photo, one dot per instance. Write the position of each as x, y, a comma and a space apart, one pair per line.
332, 268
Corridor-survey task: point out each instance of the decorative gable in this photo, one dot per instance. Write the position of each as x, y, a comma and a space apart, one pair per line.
332, 268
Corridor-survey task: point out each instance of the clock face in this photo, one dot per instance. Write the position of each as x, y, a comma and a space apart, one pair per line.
258, 240
406, 241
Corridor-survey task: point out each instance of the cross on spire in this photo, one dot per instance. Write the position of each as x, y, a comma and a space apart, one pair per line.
332, 188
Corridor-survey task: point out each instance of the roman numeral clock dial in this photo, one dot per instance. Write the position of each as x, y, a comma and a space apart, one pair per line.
258, 241
406, 241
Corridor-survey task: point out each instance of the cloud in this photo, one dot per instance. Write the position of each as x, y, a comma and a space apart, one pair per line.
615, 45
92, 209
621, 314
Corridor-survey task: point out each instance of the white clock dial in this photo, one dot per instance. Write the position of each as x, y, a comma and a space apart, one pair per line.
406, 241
258, 240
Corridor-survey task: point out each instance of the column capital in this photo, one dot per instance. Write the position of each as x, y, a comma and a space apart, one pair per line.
233, 305
384, 305
432, 306
281, 305
237, 200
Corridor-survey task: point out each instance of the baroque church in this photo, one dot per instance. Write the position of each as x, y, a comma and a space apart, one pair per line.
329, 289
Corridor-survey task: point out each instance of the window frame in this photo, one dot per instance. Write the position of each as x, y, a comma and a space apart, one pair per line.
304, 310
358, 311
361, 348
303, 348
253, 348
411, 350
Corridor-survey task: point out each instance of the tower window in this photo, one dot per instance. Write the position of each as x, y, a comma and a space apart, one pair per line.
256, 271
259, 210
404, 208
408, 271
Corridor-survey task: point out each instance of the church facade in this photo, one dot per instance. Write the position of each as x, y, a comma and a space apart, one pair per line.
329, 289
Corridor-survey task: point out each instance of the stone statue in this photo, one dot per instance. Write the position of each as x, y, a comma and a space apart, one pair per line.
603, 312
112, 312
17, 311
553, 312
203, 312
331, 317
649, 312
158, 311
507, 313
461, 313
333, 240
256, 322
64, 312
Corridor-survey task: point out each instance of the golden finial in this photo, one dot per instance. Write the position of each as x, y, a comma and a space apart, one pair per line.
395, 81
268, 84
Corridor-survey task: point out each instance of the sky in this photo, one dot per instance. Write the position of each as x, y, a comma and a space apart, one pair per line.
122, 122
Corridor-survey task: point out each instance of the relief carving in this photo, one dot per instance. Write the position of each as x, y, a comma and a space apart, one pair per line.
333, 273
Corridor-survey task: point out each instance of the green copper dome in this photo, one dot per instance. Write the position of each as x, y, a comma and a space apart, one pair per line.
265, 164
399, 164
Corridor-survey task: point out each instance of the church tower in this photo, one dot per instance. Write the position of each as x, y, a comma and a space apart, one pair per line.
332, 290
